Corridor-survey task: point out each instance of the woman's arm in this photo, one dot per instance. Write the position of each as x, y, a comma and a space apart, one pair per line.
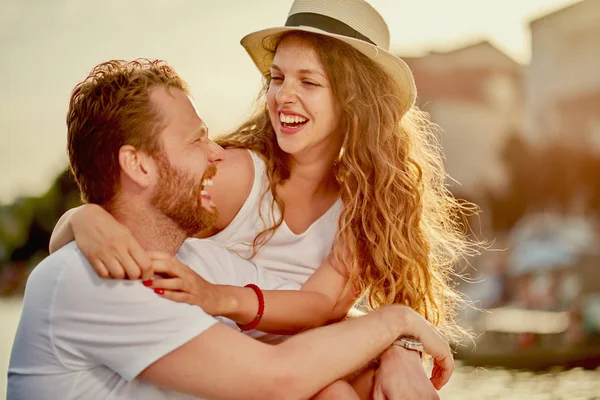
320, 301
109, 246
113, 251
62, 233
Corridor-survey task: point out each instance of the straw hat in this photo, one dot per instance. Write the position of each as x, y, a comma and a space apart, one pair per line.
354, 22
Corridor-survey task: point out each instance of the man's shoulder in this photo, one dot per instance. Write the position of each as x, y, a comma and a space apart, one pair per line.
68, 255
65, 271
194, 249
68, 251
201, 246
53, 277
211, 260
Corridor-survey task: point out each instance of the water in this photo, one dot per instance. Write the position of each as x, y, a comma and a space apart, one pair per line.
467, 383
477, 383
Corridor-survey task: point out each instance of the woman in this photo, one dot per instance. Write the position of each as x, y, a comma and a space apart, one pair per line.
337, 177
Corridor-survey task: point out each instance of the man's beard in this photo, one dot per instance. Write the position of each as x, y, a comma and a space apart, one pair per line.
178, 196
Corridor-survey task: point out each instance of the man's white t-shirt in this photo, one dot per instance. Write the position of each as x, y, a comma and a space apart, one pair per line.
84, 337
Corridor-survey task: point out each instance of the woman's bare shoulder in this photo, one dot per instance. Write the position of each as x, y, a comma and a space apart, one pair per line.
232, 184
237, 159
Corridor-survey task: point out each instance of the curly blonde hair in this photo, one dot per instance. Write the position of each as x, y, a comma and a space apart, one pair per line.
404, 226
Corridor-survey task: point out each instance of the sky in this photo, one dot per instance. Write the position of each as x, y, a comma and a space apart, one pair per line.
46, 47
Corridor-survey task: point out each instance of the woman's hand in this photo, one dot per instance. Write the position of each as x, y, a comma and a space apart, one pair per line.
109, 246
180, 283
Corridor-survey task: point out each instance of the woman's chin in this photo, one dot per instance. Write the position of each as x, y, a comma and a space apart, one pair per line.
289, 145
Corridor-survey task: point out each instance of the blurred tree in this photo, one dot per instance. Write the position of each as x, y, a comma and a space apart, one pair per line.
26, 225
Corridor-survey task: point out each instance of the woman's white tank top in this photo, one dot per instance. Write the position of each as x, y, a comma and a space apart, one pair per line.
291, 256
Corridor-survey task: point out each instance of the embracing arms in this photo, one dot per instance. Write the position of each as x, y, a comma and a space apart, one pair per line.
317, 303
297, 368
113, 252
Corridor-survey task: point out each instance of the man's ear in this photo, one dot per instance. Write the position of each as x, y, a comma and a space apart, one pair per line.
137, 166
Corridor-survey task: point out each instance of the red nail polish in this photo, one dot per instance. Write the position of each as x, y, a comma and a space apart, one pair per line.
159, 291
147, 283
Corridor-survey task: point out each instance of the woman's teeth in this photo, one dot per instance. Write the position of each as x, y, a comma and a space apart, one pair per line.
207, 182
291, 119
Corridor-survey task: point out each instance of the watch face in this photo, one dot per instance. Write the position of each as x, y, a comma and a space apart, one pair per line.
411, 344
418, 346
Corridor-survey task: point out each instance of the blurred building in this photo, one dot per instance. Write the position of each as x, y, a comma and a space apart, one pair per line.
550, 267
475, 94
562, 89
553, 260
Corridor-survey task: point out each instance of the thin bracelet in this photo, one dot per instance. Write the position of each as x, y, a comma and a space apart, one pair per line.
261, 309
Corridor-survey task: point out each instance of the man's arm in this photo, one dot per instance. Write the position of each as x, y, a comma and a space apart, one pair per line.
223, 363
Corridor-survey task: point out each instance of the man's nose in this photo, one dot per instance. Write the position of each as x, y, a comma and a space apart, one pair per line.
216, 153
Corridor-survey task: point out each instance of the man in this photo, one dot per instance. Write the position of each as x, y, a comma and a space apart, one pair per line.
139, 149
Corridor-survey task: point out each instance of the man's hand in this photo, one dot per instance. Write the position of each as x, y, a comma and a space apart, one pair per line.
433, 342
401, 376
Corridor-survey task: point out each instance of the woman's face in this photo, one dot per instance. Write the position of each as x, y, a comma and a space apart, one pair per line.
303, 111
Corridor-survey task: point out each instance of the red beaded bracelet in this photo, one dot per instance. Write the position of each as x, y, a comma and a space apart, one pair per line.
261, 309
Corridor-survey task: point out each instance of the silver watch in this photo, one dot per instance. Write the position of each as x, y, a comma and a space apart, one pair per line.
410, 344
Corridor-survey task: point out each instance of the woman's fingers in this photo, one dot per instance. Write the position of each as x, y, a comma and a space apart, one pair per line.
142, 260
167, 284
161, 267
159, 255
99, 267
180, 297
130, 267
168, 267
115, 269
181, 266
116, 264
